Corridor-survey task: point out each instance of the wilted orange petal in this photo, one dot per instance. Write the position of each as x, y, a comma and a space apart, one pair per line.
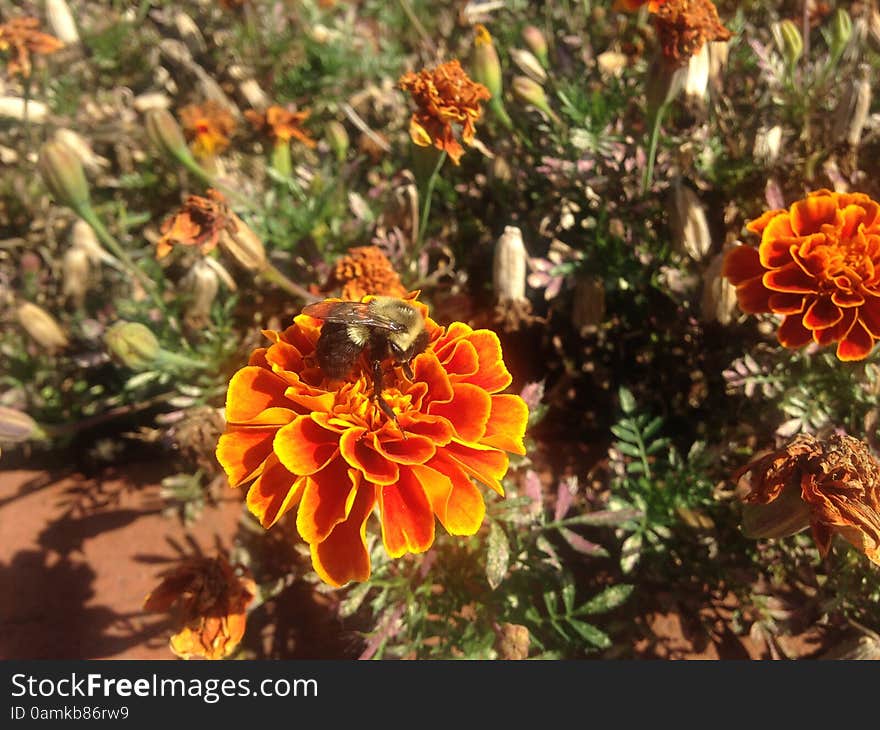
507, 424
243, 451
485, 464
252, 390
792, 332
327, 500
468, 411
822, 313
357, 451
304, 447
343, 555
274, 492
790, 278
807, 216
856, 345
742, 264
407, 519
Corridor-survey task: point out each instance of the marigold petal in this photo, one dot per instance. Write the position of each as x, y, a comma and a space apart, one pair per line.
808, 215
407, 518
822, 313
485, 464
759, 224
790, 278
836, 332
437, 429
792, 333
274, 492
327, 499
411, 450
742, 264
358, 452
507, 422
284, 356
785, 303
869, 315
455, 499
343, 555
753, 297
461, 359
252, 390
776, 252
856, 344
304, 447
427, 369
492, 375
468, 411
242, 452
843, 298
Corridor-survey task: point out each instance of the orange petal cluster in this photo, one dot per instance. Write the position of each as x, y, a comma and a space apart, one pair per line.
444, 96
818, 265
366, 270
632, 6
21, 37
683, 26
839, 482
282, 124
207, 127
200, 222
210, 603
324, 447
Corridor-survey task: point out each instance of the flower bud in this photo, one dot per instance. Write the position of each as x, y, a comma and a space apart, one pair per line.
789, 41
528, 64
75, 275
165, 133
82, 149
509, 266
41, 326
244, 246
530, 92
132, 344
841, 30
63, 174
14, 107
337, 138
718, 303
487, 67
17, 426
61, 21
588, 306
687, 219
696, 80
534, 39
200, 286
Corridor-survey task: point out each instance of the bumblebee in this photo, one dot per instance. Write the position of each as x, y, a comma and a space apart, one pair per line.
383, 328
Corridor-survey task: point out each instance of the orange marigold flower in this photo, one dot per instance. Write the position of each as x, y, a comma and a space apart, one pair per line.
281, 124
326, 448
683, 26
21, 37
444, 96
818, 265
210, 601
366, 270
838, 485
207, 127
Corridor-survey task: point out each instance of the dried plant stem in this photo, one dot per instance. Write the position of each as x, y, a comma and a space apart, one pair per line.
272, 274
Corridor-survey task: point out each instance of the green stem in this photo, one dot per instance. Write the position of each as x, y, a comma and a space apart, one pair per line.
272, 274
426, 203
188, 161
174, 360
652, 149
417, 24
281, 158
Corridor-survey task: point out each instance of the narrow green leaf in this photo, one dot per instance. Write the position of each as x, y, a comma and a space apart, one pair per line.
605, 517
631, 552
629, 449
627, 401
624, 433
498, 556
610, 598
591, 634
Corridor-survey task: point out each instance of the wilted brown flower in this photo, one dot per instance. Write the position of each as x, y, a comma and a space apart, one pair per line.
207, 127
210, 603
20, 37
366, 270
838, 485
444, 96
683, 26
200, 222
281, 124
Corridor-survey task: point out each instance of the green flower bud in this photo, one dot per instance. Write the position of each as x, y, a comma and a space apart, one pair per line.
132, 344
337, 138
841, 30
63, 174
41, 326
487, 67
531, 92
534, 39
164, 132
789, 41
17, 426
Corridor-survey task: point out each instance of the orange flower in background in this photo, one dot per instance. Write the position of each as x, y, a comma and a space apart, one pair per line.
207, 127
200, 222
832, 486
325, 447
818, 265
366, 270
281, 124
21, 37
631, 6
683, 26
444, 96
209, 600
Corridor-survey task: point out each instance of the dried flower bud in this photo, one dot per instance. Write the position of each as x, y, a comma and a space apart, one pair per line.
588, 306
63, 174
17, 426
189, 33
61, 21
687, 219
718, 303
789, 41
509, 266
41, 326
768, 143
75, 278
528, 63
200, 286
337, 138
244, 246
132, 344
536, 42
165, 133
487, 67
696, 80
82, 149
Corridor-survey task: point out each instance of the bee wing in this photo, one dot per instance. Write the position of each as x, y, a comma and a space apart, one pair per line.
351, 313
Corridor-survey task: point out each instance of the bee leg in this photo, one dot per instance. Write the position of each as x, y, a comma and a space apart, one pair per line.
407, 370
377, 395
